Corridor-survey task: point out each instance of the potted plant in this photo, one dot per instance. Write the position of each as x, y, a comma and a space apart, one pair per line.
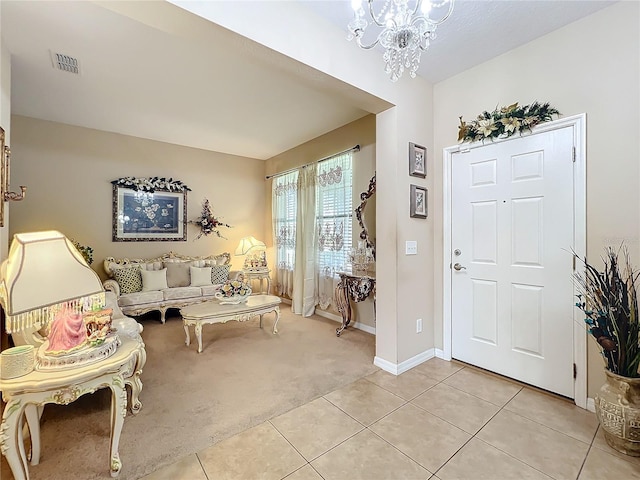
609, 301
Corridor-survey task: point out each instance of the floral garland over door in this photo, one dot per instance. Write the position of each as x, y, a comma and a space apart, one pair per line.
505, 122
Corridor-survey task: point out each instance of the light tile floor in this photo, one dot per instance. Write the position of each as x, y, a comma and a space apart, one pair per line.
440, 420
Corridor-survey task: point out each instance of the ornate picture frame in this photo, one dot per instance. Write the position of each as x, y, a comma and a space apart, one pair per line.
143, 216
417, 160
418, 202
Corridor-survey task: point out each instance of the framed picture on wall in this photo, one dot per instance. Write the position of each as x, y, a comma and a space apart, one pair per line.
146, 217
418, 202
417, 160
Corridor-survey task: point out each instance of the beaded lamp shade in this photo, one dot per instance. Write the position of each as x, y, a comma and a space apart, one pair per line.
43, 273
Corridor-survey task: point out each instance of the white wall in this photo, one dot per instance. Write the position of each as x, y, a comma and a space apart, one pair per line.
592, 66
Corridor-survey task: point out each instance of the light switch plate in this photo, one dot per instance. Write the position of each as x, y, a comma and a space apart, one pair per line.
411, 247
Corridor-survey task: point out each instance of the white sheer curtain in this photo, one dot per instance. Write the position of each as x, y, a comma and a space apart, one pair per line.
334, 223
284, 211
312, 229
305, 288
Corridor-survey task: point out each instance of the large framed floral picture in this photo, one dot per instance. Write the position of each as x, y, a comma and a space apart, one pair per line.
147, 216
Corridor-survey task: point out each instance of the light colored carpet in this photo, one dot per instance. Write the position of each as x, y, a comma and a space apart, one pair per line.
244, 376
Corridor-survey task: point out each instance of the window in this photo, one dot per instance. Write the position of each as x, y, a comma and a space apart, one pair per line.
285, 205
334, 214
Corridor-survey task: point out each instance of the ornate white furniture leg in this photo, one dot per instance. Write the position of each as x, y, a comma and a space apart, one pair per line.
198, 330
118, 412
33, 420
186, 333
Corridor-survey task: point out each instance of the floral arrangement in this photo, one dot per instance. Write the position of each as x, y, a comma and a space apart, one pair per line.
610, 303
86, 252
151, 184
235, 287
207, 222
506, 121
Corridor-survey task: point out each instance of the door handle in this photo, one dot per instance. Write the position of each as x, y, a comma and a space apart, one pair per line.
459, 267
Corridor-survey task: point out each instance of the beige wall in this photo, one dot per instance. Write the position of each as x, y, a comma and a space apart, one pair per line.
5, 122
577, 71
361, 132
68, 171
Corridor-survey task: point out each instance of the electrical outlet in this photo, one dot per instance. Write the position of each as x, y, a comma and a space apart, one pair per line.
419, 325
411, 247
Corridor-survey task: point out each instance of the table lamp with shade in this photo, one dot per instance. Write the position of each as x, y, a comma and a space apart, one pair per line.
46, 285
254, 251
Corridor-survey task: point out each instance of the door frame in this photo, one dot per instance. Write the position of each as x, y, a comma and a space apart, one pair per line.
578, 124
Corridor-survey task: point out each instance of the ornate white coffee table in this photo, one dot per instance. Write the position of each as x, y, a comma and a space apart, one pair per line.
213, 312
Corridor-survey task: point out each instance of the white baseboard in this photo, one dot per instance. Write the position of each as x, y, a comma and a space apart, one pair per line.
591, 404
397, 369
336, 318
440, 354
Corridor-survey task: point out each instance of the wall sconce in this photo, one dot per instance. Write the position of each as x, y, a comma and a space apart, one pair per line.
5, 194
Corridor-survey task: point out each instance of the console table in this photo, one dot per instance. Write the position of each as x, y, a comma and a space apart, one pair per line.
24, 394
356, 287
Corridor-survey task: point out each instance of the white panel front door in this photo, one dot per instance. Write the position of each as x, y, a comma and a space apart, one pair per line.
512, 235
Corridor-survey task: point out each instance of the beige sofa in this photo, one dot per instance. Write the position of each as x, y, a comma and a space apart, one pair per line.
180, 289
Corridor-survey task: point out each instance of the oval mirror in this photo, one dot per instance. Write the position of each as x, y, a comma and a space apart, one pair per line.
366, 215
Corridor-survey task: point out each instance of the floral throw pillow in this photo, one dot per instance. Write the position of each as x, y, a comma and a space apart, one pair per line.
129, 279
219, 274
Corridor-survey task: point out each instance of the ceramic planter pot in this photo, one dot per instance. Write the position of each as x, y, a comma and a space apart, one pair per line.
618, 411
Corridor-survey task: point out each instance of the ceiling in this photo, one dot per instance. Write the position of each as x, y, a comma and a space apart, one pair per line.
169, 84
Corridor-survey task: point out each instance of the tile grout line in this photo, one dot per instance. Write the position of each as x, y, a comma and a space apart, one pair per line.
202, 466
474, 435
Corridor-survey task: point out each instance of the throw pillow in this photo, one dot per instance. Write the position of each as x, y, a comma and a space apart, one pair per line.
128, 278
200, 277
178, 274
154, 279
219, 273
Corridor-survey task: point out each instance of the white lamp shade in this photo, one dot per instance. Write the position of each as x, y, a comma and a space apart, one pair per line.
249, 243
44, 269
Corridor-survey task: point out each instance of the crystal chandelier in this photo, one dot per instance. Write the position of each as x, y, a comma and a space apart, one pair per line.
406, 32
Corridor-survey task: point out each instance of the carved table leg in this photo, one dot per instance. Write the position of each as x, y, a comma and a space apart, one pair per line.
11, 442
342, 302
135, 383
186, 332
275, 325
33, 420
118, 412
198, 330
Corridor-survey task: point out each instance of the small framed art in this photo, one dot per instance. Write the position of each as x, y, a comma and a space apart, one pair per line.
417, 160
418, 202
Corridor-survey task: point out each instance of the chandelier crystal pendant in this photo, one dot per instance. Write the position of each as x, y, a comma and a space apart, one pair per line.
406, 31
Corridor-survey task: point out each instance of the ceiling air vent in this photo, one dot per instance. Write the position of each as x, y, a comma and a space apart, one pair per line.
65, 63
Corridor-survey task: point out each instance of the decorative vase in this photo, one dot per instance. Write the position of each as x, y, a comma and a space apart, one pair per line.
233, 300
618, 411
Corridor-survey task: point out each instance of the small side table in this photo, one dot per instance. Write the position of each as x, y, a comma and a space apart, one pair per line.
24, 394
259, 274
